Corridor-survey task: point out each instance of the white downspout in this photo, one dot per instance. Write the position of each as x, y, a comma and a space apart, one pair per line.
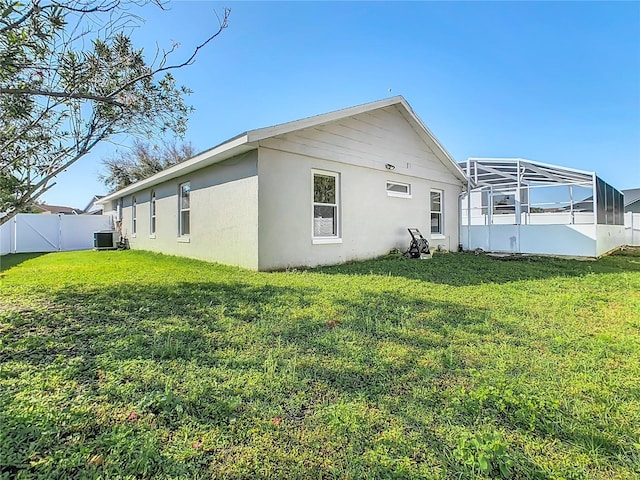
460, 218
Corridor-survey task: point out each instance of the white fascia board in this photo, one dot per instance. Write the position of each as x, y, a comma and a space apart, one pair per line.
268, 132
217, 154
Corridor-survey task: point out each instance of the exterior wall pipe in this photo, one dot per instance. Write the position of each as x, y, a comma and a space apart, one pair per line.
460, 218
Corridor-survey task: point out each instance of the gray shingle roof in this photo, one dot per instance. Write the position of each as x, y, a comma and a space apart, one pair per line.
631, 196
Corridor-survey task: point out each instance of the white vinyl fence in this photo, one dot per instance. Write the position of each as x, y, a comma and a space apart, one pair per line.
632, 228
32, 232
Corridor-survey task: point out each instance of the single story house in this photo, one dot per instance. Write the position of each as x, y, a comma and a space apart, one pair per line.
93, 207
327, 189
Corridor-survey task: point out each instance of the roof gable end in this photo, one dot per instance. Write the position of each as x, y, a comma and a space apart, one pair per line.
399, 101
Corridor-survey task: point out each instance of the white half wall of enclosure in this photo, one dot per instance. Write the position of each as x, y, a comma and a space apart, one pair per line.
563, 240
32, 232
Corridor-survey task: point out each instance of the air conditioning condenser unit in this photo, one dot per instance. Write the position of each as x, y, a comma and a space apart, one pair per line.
106, 240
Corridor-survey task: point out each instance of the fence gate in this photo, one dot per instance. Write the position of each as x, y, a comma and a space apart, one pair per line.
29, 232
37, 233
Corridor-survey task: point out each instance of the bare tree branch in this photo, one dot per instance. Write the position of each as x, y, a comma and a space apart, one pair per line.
223, 24
68, 95
70, 77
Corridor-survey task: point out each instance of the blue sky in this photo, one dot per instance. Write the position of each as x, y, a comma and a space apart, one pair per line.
553, 82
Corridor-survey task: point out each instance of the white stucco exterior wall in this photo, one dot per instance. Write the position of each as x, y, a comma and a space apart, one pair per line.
255, 210
371, 222
224, 214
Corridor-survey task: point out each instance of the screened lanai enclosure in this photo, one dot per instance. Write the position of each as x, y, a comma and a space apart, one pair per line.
522, 206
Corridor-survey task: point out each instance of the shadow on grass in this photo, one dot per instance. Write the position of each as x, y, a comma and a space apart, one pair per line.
131, 321
14, 259
253, 349
465, 269
129, 334
413, 364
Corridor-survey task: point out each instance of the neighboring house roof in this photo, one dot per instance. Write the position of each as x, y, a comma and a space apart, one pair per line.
250, 140
93, 207
585, 205
55, 209
631, 195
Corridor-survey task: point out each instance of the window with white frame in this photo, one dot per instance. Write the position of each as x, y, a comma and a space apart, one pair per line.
436, 212
152, 213
397, 189
185, 209
134, 205
326, 200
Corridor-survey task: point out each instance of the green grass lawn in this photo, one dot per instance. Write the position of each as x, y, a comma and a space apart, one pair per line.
129, 364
